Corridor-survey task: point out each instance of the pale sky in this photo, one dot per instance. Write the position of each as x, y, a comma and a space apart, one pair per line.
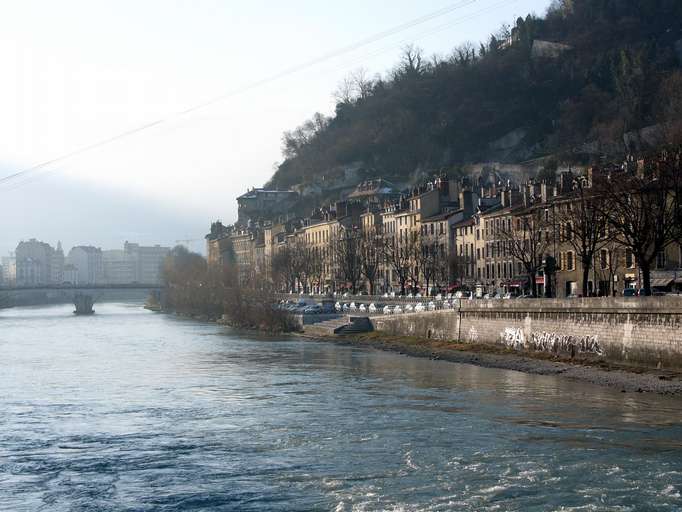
79, 71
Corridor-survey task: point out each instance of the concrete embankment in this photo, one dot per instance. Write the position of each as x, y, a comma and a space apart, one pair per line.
646, 331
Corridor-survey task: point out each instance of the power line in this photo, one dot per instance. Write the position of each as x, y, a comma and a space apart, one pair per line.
435, 30
294, 69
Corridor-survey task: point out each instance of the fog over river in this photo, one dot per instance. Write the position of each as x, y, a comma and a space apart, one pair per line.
132, 410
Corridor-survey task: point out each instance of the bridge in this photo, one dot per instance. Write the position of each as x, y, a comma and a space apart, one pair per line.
64, 294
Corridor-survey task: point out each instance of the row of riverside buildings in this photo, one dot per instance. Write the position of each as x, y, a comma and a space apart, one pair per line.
461, 229
36, 263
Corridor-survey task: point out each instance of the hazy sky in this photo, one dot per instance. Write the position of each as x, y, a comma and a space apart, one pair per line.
80, 71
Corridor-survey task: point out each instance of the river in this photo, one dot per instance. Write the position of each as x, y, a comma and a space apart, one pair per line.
132, 410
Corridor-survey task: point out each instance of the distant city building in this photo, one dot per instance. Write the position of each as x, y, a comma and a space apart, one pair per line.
88, 262
9, 270
148, 261
70, 274
119, 267
38, 263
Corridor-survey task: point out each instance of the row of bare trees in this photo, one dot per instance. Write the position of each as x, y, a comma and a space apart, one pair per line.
357, 257
616, 210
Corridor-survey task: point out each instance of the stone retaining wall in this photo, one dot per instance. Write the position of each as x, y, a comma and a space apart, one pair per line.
643, 330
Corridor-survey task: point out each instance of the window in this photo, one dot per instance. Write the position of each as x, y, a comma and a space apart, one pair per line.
660, 260
604, 259
568, 231
629, 259
570, 262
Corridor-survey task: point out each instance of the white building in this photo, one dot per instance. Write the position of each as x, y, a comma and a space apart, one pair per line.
119, 267
148, 261
9, 270
70, 274
38, 263
88, 262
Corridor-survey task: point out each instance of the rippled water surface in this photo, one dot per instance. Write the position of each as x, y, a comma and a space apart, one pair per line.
130, 410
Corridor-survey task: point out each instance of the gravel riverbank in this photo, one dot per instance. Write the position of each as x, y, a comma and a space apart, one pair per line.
628, 379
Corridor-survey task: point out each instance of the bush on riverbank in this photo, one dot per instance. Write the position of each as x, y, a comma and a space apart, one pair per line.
193, 288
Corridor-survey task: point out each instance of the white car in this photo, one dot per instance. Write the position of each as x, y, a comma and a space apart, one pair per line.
362, 308
338, 306
387, 310
372, 308
439, 297
419, 308
346, 307
397, 310
353, 306
409, 308
432, 306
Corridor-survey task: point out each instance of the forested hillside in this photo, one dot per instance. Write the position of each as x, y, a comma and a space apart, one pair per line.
517, 96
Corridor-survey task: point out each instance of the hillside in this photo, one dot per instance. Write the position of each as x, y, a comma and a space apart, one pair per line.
582, 83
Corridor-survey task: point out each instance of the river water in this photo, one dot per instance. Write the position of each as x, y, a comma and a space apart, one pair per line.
131, 410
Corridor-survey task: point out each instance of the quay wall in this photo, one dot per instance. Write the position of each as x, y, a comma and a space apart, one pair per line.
645, 330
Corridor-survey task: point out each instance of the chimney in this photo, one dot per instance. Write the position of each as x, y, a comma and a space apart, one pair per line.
466, 202
544, 192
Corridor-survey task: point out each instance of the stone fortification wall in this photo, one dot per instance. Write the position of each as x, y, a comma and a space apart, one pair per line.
643, 330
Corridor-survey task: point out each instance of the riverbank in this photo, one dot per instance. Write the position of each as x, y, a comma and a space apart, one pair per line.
626, 378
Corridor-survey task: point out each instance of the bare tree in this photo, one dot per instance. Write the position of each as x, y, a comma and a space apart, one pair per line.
411, 65
370, 257
347, 253
528, 240
429, 263
583, 225
413, 247
397, 259
643, 210
315, 268
356, 86
345, 91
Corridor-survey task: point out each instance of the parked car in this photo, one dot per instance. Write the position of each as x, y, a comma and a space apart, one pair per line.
314, 309
387, 310
372, 308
